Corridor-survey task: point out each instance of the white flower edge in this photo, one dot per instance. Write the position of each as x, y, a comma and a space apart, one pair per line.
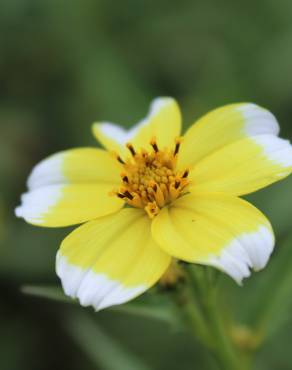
258, 120
91, 288
248, 251
35, 205
48, 172
275, 149
121, 135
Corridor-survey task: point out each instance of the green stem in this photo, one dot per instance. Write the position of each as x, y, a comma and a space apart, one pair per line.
223, 348
203, 314
192, 315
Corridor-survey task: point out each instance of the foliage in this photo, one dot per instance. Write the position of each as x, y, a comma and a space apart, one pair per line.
64, 65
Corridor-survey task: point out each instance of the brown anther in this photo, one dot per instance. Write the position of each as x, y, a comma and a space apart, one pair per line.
185, 174
177, 184
125, 179
131, 149
153, 143
177, 146
128, 195
150, 180
120, 160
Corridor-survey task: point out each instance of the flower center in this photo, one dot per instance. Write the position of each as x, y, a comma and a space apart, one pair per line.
150, 179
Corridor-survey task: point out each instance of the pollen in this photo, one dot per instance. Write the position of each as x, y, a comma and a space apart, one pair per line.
150, 179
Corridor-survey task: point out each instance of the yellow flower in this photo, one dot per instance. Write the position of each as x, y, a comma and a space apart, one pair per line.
154, 195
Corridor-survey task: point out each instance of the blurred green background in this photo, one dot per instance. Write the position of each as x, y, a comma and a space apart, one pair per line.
66, 64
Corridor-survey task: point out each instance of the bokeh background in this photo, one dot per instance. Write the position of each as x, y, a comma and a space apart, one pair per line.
66, 64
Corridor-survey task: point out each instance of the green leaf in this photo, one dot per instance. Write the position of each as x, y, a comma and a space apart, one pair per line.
48, 292
105, 351
161, 313
152, 307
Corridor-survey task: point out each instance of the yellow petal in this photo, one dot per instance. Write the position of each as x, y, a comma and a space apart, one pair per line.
111, 260
65, 205
244, 166
217, 230
76, 166
163, 121
71, 187
223, 126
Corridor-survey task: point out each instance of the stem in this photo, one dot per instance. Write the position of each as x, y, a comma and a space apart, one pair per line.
223, 348
192, 315
203, 314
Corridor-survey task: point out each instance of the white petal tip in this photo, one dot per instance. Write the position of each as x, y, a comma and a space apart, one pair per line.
160, 103
112, 131
48, 172
246, 252
122, 136
277, 150
91, 288
18, 212
258, 121
36, 204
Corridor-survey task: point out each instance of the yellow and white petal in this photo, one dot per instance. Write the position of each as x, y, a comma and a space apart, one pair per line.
244, 166
76, 166
65, 205
223, 126
111, 260
163, 121
218, 230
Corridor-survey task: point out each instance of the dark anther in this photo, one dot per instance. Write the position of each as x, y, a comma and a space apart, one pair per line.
131, 149
177, 184
154, 146
155, 188
176, 149
122, 196
128, 195
120, 160
185, 174
125, 179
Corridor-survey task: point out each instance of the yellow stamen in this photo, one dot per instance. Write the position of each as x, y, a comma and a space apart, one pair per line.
136, 201
150, 179
152, 209
158, 194
174, 190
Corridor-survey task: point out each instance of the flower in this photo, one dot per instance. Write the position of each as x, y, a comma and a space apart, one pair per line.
152, 196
